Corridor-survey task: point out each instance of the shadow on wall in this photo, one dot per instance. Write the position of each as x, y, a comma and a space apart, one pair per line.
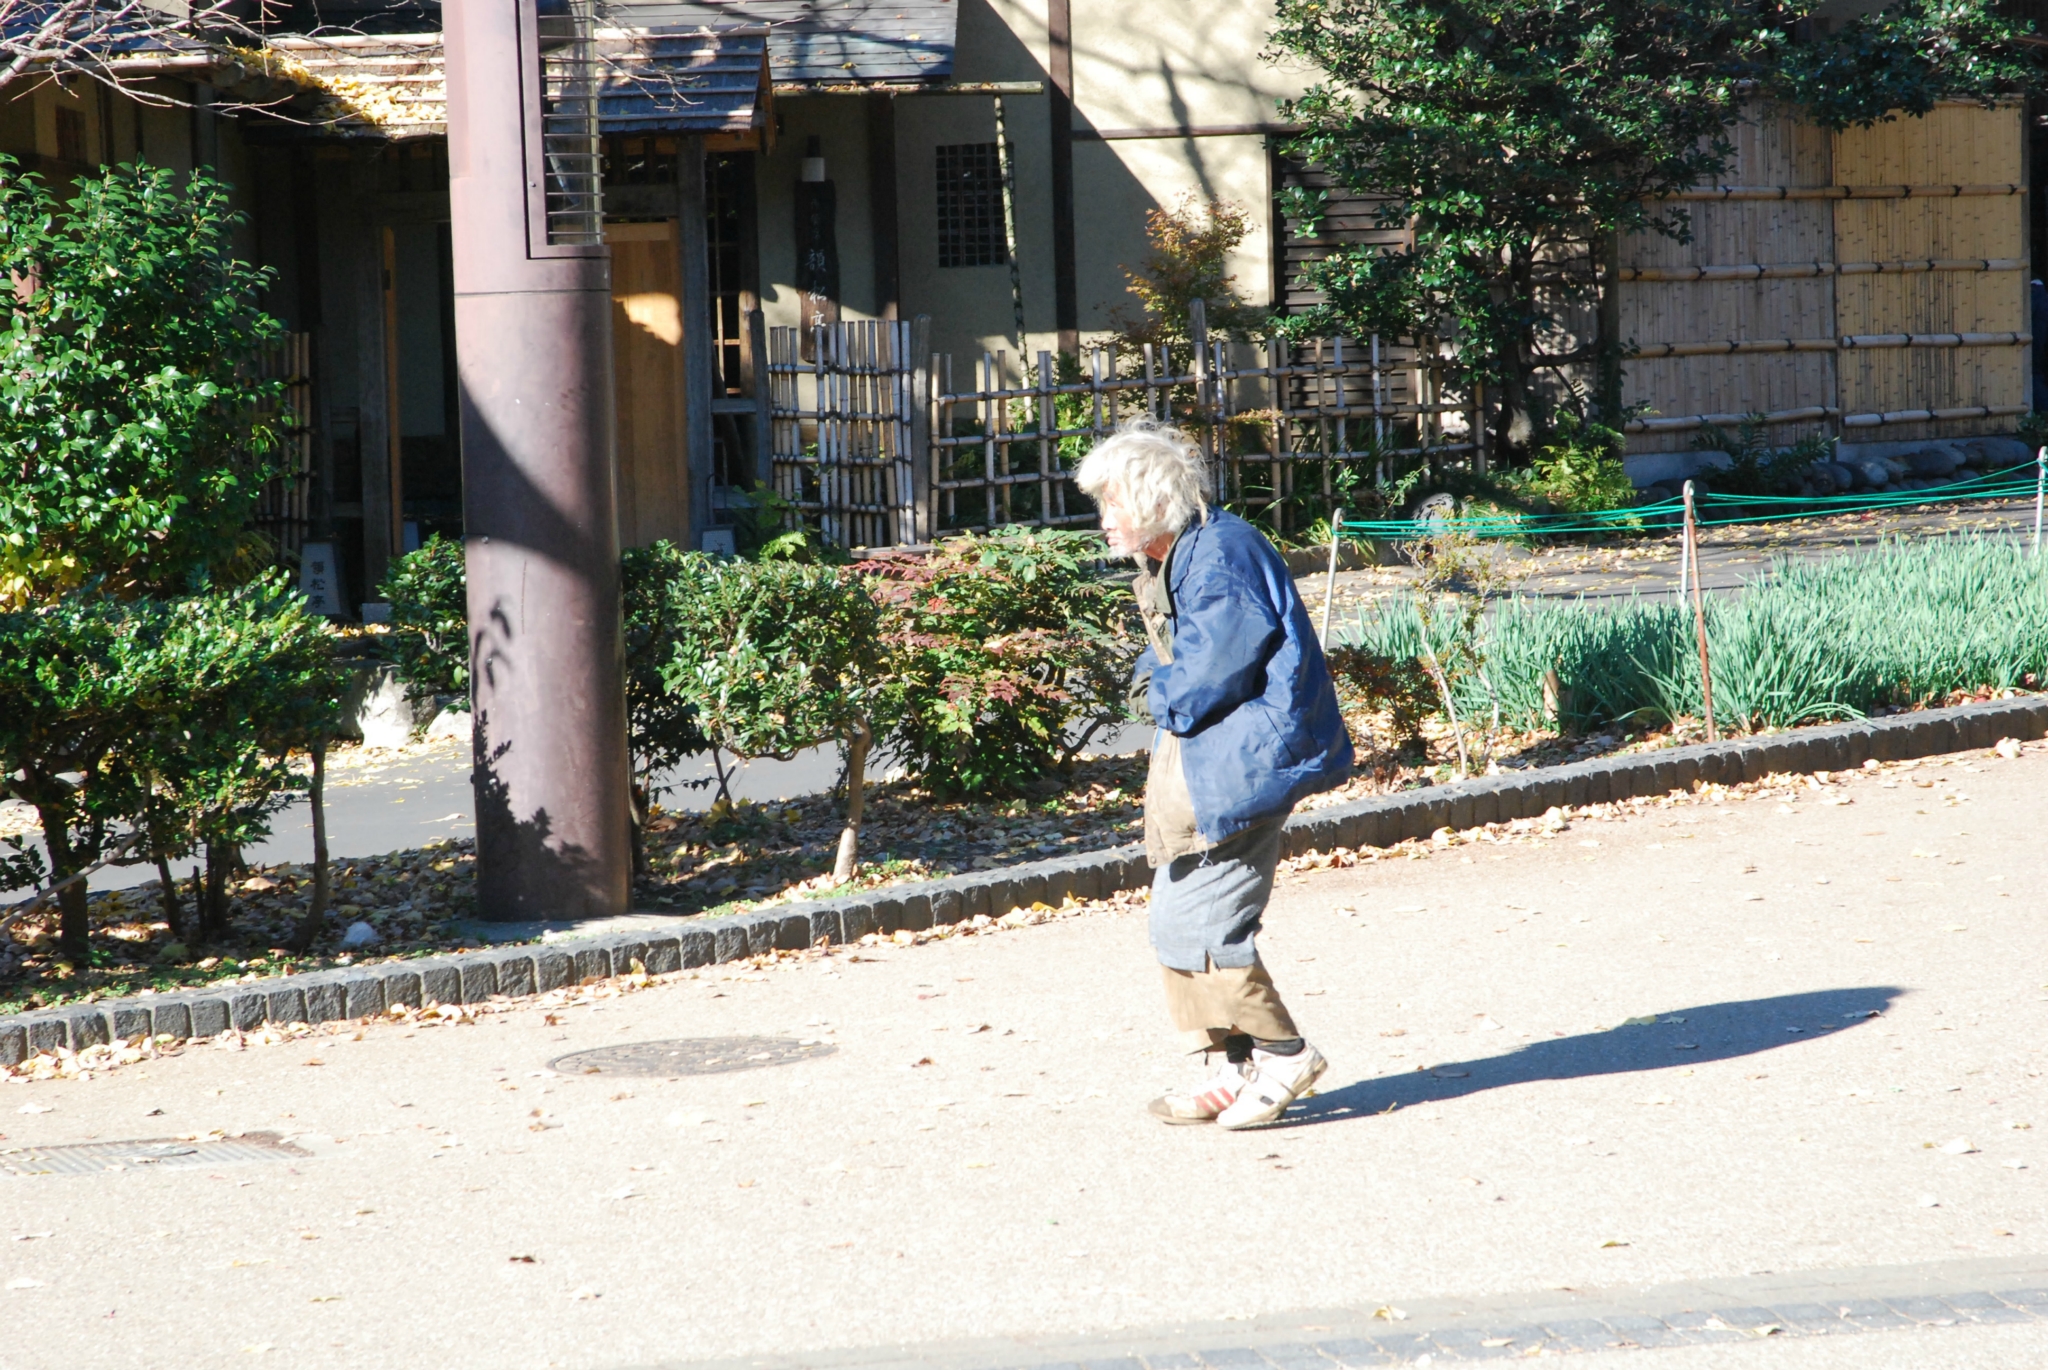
1685, 1036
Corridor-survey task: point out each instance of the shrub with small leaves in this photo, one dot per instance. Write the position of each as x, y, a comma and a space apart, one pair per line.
1007, 652
429, 638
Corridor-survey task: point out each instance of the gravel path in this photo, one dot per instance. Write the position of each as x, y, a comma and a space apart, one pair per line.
973, 1159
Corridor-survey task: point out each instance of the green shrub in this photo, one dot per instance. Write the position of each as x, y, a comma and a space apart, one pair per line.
771, 658
1398, 687
661, 730
135, 424
176, 717
1007, 651
1579, 469
429, 637
1757, 467
1904, 624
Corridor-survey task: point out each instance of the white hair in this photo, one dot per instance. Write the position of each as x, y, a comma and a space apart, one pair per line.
1156, 473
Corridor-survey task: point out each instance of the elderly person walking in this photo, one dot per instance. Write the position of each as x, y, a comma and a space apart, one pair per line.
1247, 724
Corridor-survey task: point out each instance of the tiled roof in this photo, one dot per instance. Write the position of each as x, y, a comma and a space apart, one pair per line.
394, 85
828, 41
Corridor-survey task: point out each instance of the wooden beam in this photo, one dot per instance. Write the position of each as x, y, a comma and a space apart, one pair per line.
882, 227
1066, 307
373, 426
692, 242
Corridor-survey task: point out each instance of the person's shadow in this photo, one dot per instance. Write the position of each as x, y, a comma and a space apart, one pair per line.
1680, 1036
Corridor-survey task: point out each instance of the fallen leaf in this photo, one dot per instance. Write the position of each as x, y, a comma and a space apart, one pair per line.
1646, 1020
1390, 1313
35, 1108
585, 1292
326, 1298
522, 1260
25, 1283
1961, 1146
1605, 1245
1498, 1341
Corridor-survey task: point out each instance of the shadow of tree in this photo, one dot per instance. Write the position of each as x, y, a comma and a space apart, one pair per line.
523, 870
1684, 1036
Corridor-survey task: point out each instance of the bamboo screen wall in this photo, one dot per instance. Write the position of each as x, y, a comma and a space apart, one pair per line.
1870, 283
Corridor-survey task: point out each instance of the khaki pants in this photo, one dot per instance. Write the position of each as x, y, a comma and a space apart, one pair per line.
1209, 1005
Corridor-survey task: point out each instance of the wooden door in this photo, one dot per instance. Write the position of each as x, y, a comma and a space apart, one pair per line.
647, 348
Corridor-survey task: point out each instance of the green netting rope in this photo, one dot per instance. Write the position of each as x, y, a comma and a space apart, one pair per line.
1709, 510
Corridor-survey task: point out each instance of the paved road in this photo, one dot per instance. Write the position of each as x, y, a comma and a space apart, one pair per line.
931, 1185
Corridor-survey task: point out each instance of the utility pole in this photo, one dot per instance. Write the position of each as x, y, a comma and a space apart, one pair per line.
534, 361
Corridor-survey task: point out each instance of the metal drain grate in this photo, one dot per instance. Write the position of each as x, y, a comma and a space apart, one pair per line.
691, 1056
94, 1158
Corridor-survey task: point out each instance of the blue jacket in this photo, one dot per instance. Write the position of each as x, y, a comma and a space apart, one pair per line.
1247, 690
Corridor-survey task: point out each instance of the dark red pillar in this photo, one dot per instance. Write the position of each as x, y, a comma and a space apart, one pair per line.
534, 358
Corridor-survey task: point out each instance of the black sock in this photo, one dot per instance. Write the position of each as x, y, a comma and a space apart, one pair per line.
1286, 1046
1237, 1048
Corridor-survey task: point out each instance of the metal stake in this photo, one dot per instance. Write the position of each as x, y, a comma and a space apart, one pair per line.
1330, 585
2040, 488
1699, 615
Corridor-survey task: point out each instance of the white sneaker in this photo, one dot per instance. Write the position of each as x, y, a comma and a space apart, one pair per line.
1206, 1101
1276, 1082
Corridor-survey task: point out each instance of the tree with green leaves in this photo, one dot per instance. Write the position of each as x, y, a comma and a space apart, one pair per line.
135, 429
771, 658
154, 679
1516, 140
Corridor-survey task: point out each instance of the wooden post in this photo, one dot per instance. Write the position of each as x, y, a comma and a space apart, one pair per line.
1699, 615
1059, 37
764, 399
1048, 439
1608, 399
692, 242
924, 456
1198, 343
882, 202
1009, 189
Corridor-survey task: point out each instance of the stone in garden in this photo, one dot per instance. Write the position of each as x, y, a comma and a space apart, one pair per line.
456, 723
359, 934
1874, 473
1846, 478
1932, 462
1821, 480
385, 718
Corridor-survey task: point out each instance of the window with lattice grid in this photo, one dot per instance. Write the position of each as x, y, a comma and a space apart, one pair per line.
970, 205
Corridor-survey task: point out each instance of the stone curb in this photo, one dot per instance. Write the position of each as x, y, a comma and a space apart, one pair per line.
1382, 821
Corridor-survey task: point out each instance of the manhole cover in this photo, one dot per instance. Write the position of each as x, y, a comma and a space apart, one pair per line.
690, 1056
93, 1158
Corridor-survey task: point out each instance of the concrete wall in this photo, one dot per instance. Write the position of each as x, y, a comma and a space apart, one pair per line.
1138, 64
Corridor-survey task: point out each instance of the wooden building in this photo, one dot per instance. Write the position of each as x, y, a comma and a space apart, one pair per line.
989, 165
